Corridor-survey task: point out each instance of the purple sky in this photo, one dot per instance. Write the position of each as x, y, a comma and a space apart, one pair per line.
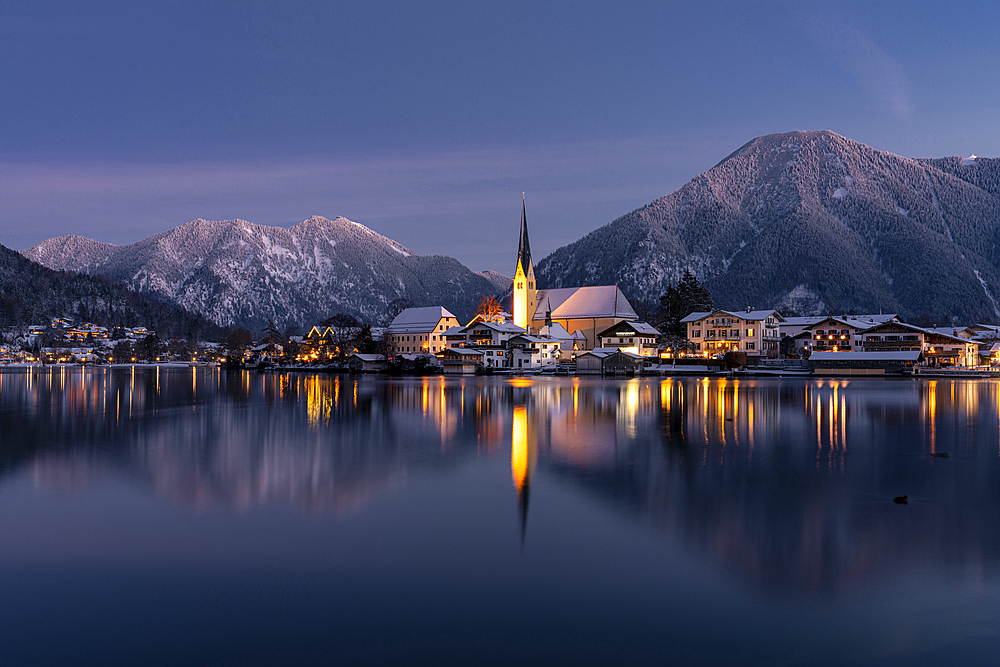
426, 122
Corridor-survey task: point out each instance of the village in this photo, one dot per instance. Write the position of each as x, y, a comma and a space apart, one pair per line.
590, 330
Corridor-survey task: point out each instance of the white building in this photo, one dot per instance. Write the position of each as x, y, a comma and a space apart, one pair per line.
527, 351
635, 337
419, 330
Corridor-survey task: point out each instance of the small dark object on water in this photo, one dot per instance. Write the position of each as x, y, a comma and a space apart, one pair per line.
940, 455
900, 500
729, 419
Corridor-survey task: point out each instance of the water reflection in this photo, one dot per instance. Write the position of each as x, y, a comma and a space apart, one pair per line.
785, 484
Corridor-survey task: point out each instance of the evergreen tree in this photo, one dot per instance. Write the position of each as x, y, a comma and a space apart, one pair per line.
271, 335
364, 342
237, 342
689, 296
151, 348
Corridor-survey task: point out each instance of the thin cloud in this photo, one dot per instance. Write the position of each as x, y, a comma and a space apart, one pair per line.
877, 73
436, 203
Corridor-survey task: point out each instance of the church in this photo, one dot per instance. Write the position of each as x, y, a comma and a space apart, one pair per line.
577, 312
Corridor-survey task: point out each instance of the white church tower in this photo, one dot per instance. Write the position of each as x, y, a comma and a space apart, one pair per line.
524, 278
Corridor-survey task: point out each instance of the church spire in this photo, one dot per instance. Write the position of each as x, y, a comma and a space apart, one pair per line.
523, 247
524, 278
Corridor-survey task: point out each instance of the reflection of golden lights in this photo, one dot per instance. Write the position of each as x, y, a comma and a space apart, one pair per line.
519, 447
632, 398
932, 409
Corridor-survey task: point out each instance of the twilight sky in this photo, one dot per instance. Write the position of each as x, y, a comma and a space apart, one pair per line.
425, 121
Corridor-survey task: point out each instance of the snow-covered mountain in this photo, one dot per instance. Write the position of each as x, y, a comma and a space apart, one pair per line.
814, 222
499, 280
240, 274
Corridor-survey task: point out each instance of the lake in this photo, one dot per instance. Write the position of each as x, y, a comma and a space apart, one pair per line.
180, 516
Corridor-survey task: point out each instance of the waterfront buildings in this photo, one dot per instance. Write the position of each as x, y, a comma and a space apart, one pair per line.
582, 311
755, 332
419, 330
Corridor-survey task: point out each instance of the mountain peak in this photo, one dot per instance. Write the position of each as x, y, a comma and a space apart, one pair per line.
241, 274
811, 213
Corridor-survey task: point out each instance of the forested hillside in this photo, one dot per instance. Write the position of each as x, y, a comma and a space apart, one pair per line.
33, 294
811, 222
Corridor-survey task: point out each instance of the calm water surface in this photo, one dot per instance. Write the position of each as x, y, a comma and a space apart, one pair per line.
205, 517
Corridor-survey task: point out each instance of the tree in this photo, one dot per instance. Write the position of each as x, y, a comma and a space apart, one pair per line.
122, 351
344, 330
489, 309
787, 346
151, 348
181, 349
690, 296
237, 342
364, 342
271, 335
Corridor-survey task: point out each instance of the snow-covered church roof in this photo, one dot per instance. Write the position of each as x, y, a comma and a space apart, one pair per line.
556, 331
571, 303
418, 320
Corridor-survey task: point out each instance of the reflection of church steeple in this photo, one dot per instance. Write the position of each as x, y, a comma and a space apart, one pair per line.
523, 457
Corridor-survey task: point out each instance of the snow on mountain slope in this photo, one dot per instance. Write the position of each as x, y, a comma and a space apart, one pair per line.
499, 280
238, 273
810, 221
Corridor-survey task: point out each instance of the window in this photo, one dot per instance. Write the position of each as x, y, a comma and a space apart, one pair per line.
735, 333
751, 345
696, 333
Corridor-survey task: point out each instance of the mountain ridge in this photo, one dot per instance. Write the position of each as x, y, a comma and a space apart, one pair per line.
238, 273
810, 221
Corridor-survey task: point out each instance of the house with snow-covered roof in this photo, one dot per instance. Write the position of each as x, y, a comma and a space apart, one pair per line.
419, 330
587, 310
636, 337
755, 332
938, 348
534, 351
